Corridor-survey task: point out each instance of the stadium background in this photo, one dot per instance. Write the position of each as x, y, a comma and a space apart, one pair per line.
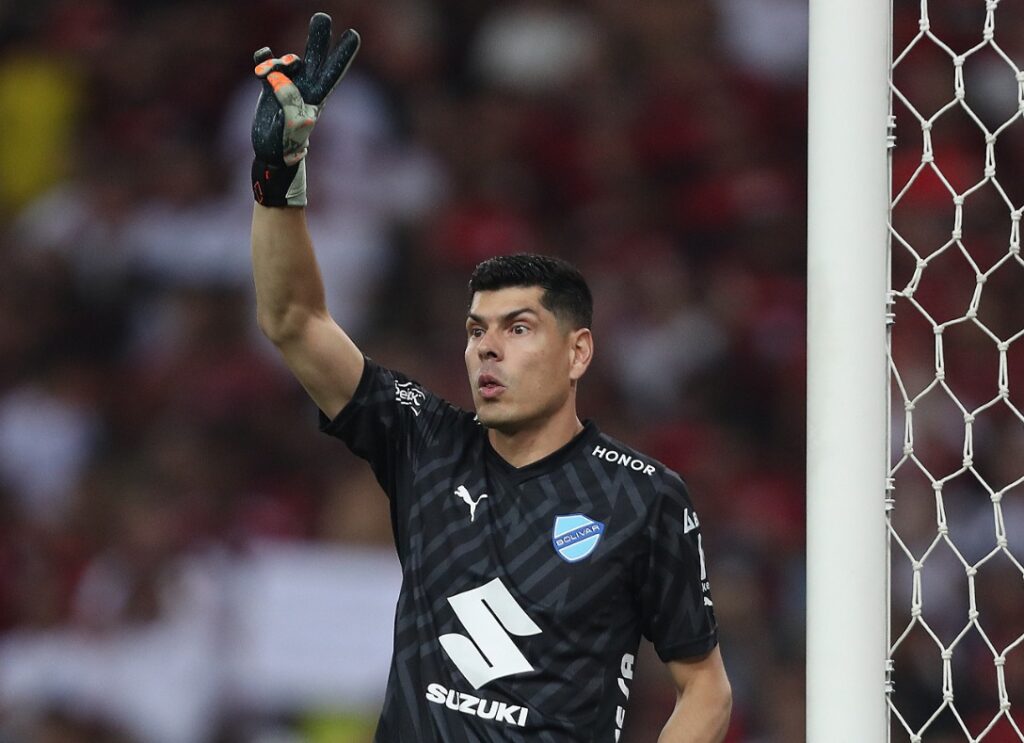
182, 556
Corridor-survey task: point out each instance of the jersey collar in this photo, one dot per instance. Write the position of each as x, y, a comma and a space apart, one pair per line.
551, 462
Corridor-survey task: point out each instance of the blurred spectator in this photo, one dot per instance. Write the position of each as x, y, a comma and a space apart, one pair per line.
42, 151
534, 46
48, 432
182, 556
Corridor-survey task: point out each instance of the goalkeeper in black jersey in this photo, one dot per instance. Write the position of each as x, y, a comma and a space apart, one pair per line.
535, 550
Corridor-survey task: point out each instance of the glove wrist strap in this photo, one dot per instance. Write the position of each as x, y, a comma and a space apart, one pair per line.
279, 185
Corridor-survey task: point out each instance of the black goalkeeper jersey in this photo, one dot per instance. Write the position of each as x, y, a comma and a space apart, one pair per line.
525, 590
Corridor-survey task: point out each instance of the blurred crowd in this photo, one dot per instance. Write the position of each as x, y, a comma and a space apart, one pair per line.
152, 447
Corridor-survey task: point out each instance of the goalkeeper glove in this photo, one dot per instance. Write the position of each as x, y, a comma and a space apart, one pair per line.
294, 91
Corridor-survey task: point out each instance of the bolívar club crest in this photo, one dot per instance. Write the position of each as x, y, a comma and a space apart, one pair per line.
575, 536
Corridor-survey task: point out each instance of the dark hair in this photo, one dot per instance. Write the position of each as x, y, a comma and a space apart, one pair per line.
566, 293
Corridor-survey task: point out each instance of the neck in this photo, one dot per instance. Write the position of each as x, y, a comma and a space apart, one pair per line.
529, 444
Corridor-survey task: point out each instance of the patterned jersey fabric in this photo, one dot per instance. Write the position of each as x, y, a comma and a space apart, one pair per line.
525, 590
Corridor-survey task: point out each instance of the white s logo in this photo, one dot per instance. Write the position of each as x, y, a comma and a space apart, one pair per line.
490, 615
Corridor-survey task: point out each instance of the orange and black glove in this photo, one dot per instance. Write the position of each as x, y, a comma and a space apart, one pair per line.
294, 91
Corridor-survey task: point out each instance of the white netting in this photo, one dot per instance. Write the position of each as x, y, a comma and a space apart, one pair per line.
956, 350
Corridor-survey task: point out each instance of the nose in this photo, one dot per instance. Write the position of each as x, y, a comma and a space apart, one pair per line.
489, 345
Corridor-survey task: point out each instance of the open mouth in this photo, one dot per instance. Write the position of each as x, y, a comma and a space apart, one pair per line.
489, 386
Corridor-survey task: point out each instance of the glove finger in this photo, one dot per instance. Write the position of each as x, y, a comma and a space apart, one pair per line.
318, 41
335, 67
284, 90
289, 63
267, 126
259, 58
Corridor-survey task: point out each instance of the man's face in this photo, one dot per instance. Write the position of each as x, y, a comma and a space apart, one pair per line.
519, 358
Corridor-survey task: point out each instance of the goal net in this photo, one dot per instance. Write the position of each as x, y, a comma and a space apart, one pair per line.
955, 488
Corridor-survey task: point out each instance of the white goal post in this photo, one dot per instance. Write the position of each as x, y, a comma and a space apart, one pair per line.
848, 196
915, 421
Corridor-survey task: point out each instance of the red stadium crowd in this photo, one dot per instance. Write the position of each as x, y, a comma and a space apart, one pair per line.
146, 426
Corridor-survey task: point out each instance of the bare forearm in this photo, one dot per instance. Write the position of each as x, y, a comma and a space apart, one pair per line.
289, 288
700, 716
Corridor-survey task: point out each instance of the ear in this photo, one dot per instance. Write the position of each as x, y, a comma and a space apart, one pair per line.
581, 351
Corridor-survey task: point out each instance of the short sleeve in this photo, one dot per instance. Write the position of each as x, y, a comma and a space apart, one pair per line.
387, 422
677, 611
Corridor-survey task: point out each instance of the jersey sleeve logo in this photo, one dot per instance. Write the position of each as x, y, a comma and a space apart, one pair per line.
408, 394
690, 521
704, 584
575, 536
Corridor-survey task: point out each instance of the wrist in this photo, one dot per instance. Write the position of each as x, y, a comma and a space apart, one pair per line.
279, 185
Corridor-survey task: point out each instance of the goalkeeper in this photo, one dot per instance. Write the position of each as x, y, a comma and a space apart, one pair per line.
535, 549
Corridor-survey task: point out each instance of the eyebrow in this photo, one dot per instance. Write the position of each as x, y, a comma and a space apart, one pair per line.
506, 317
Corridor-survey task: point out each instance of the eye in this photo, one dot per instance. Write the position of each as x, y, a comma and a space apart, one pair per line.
519, 329
475, 332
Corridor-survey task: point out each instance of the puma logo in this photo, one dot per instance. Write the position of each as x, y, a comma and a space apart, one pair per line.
468, 499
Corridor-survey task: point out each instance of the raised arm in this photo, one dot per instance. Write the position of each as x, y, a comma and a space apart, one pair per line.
292, 313
291, 308
703, 701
